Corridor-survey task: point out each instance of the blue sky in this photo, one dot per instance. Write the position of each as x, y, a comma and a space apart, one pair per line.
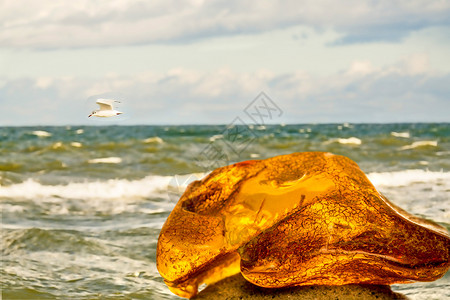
185, 62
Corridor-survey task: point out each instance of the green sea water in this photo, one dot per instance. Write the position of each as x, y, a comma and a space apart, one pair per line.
82, 206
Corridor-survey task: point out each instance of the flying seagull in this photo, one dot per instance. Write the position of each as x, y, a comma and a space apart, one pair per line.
106, 108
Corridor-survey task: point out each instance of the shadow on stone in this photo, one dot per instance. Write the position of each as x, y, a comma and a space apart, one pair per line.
237, 288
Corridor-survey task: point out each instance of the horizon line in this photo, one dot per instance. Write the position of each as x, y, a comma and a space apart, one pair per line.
226, 124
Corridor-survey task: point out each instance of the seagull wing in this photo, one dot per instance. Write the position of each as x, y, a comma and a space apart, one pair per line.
106, 104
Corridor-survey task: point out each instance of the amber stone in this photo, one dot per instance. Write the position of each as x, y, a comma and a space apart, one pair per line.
301, 219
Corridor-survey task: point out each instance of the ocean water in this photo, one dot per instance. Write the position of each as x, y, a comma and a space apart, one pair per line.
81, 207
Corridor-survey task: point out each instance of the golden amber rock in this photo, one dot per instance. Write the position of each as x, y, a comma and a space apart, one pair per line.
300, 219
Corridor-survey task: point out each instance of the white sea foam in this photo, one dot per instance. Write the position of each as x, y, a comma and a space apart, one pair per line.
57, 145
401, 134
76, 144
420, 144
109, 189
154, 139
112, 196
178, 184
41, 133
344, 125
351, 140
216, 137
408, 177
420, 192
105, 160
345, 141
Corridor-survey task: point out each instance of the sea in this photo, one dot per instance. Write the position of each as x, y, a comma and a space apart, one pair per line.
82, 206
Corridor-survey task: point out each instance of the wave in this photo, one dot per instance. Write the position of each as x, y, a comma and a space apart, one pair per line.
420, 144
110, 189
76, 144
163, 185
420, 192
345, 141
351, 140
41, 133
150, 195
154, 139
408, 177
405, 134
158, 195
106, 160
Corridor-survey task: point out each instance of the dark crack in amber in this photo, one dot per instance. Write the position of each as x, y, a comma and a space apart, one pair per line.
298, 219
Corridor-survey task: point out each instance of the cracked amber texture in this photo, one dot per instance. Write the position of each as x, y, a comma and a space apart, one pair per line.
298, 219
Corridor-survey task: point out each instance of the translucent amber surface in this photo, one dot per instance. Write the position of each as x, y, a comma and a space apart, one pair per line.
298, 219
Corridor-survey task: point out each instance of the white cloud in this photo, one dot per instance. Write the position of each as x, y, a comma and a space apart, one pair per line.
359, 68
43, 82
404, 91
417, 64
85, 23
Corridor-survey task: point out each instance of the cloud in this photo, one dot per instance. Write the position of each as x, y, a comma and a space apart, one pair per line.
50, 24
406, 91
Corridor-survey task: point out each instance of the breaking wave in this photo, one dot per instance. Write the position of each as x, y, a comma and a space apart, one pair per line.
109, 189
160, 185
408, 177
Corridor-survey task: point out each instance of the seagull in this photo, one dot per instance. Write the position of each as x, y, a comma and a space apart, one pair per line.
106, 108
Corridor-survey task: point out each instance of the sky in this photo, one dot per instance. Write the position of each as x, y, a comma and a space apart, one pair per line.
205, 62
